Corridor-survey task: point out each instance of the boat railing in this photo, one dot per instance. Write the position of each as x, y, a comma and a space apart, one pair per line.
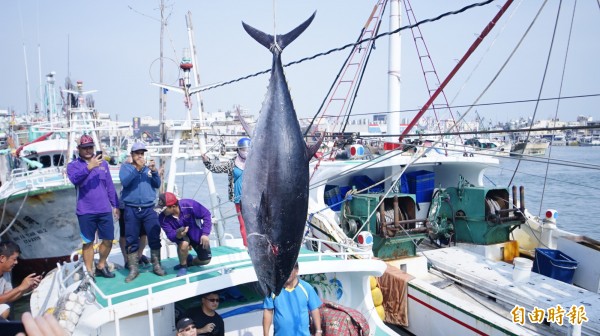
66, 275
21, 178
345, 252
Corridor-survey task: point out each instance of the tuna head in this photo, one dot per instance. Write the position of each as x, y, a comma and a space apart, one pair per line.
275, 179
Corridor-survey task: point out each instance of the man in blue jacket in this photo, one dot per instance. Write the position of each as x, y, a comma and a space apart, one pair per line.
97, 203
187, 223
140, 182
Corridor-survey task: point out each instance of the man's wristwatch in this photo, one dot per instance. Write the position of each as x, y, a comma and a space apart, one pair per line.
319, 332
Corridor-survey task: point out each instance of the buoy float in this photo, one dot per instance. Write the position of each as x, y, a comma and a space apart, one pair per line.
377, 296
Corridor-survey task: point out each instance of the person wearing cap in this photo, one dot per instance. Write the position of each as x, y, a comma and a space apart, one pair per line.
186, 327
139, 182
97, 204
290, 309
207, 319
235, 169
142, 259
187, 223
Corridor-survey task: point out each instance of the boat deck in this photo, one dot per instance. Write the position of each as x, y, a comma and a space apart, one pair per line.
494, 279
224, 260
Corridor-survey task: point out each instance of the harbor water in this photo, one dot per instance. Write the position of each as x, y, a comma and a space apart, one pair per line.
568, 184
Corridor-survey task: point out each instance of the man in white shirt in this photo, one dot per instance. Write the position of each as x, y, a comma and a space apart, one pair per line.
9, 254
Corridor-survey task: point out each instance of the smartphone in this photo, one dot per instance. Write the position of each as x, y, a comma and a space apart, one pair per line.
98, 153
11, 327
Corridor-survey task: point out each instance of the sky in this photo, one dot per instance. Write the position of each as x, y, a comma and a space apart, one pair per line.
113, 46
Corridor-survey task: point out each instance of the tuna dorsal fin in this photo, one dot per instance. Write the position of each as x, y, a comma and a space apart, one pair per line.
282, 40
311, 150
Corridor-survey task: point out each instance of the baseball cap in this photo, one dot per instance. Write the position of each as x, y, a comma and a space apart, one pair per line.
138, 146
165, 200
184, 322
86, 141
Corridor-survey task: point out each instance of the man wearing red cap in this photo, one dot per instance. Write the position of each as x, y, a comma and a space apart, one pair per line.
97, 204
187, 223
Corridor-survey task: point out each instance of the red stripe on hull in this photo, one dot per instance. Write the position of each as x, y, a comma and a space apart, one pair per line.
479, 332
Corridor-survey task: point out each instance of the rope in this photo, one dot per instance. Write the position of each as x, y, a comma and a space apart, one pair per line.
537, 104
437, 18
562, 78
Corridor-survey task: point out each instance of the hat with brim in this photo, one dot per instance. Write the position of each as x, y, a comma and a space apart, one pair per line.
184, 323
138, 146
165, 200
86, 141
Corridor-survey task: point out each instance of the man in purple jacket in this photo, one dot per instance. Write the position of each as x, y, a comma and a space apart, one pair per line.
97, 204
187, 223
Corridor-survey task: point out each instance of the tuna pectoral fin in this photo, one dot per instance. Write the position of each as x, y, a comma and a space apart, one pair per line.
249, 130
311, 150
282, 40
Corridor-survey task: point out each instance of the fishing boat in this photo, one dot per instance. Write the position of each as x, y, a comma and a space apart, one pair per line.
487, 146
481, 263
151, 304
532, 146
38, 200
589, 141
468, 248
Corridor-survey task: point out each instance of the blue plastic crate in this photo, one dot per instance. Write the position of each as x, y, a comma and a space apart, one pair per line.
554, 264
363, 181
421, 183
334, 195
403, 184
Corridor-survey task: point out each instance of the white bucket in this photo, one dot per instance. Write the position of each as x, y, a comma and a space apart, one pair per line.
522, 269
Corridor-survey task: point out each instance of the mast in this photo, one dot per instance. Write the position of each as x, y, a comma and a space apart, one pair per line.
214, 202
161, 100
27, 95
393, 119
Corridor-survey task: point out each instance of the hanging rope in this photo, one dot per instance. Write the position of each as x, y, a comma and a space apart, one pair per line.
562, 78
537, 104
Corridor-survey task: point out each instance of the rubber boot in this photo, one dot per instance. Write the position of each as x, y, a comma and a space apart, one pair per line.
134, 270
155, 259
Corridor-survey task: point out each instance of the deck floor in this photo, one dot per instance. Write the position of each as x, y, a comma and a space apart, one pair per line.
495, 278
222, 256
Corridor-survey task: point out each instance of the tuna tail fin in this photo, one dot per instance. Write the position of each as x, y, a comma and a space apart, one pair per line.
282, 40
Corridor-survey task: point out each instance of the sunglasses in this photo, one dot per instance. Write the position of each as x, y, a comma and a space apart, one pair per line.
213, 300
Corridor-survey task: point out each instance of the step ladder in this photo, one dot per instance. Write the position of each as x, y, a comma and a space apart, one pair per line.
338, 101
432, 81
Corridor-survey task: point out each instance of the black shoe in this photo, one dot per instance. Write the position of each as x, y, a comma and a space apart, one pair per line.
104, 272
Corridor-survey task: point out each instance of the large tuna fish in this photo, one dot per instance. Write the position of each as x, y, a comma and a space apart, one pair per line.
276, 177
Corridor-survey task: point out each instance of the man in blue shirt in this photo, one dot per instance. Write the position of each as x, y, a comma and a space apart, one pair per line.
289, 310
187, 223
97, 204
140, 182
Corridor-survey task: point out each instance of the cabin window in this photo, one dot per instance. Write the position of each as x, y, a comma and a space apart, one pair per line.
46, 161
28, 166
58, 160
